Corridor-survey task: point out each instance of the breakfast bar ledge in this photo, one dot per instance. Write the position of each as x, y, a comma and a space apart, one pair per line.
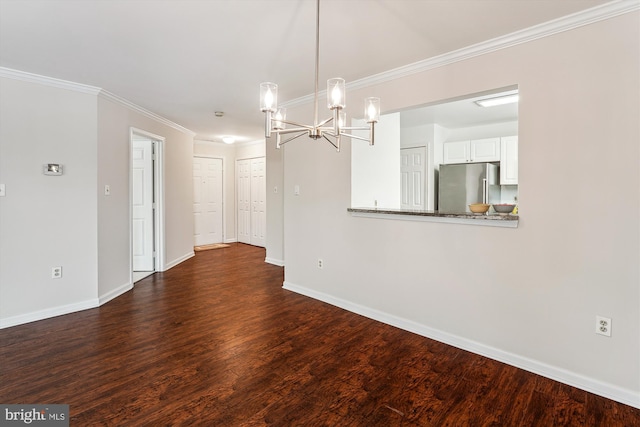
490, 220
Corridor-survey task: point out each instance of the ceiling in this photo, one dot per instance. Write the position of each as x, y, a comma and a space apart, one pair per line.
461, 113
186, 59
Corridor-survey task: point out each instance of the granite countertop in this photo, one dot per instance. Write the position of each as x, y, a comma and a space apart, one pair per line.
436, 214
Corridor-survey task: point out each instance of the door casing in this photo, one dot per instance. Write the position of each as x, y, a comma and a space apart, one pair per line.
158, 188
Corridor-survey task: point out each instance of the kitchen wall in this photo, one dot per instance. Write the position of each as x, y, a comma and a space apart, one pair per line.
375, 178
527, 296
483, 131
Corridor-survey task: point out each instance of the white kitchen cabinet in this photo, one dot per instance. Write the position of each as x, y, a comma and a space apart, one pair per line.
456, 152
471, 151
509, 160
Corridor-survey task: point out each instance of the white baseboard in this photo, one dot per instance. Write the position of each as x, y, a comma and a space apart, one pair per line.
48, 313
610, 391
232, 240
278, 262
103, 299
177, 261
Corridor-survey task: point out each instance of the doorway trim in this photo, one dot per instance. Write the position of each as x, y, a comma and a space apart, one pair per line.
158, 196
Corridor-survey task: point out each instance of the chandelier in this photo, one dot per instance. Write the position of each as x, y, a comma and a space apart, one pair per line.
332, 128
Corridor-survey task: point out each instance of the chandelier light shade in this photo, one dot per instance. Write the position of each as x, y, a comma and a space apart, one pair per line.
268, 97
335, 93
372, 109
332, 128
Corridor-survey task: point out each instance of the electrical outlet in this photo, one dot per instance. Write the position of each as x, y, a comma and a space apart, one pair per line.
320, 263
603, 326
56, 272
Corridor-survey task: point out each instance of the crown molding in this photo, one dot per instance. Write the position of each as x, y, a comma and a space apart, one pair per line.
91, 90
48, 81
130, 105
565, 23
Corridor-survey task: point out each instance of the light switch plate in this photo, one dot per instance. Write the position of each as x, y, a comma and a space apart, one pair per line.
2, 190
107, 190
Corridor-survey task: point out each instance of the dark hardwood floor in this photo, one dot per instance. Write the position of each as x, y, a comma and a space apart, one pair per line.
216, 341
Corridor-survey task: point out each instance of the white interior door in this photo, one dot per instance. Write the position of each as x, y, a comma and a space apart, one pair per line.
258, 202
412, 177
142, 205
207, 201
243, 168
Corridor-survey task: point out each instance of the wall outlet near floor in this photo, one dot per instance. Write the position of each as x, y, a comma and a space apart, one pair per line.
603, 326
320, 263
56, 272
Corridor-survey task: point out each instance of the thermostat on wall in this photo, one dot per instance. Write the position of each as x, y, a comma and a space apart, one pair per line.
52, 169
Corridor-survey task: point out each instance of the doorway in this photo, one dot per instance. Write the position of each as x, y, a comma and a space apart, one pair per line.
145, 203
208, 201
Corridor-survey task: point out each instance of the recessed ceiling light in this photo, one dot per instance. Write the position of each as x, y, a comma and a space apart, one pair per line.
219, 113
228, 139
498, 100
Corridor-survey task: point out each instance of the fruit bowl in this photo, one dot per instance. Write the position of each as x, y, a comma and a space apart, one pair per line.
479, 208
504, 208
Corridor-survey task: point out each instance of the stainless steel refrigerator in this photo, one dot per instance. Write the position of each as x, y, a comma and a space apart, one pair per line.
463, 184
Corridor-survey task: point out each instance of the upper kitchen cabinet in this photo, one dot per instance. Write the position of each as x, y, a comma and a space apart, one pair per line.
471, 151
509, 160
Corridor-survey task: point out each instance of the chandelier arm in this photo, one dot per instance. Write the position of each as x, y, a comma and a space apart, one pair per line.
356, 128
293, 137
292, 130
301, 125
324, 122
337, 147
355, 136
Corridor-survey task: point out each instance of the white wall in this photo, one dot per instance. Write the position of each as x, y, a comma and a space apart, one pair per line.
528, 296
46, 221
275, 204
66, 220
484, 131
375, 181
114, 124
250, 150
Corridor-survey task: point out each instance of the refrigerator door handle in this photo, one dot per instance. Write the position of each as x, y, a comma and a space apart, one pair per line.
485, 190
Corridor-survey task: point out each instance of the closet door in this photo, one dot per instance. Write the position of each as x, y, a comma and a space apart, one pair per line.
243, 168
258, 202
